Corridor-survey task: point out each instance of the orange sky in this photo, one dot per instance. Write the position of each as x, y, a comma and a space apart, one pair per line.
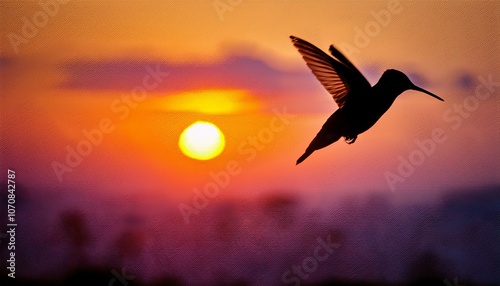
66, 78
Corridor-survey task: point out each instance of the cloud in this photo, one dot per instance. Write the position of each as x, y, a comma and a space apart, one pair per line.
233, 72
418, 79
465, 81
299, 90
374, 71
5, 61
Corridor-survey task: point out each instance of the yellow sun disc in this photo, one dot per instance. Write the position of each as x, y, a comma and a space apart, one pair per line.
202, 141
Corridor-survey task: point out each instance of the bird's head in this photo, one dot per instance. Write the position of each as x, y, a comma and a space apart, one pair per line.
398, 82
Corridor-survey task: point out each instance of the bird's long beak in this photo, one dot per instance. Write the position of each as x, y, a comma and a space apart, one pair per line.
425, 91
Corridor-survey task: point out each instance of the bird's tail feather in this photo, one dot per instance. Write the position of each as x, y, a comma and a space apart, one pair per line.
304, 156
319, 142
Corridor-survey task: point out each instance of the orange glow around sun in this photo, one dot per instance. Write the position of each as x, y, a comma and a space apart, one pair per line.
213, 101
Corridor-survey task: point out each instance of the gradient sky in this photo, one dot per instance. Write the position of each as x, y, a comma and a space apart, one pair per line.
67, 76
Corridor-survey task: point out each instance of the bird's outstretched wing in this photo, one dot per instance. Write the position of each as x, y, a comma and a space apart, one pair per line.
338, 75
339, 56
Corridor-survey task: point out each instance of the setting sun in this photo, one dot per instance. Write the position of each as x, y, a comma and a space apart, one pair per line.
202, 141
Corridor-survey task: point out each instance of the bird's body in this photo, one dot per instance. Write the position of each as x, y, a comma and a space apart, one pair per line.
360, 104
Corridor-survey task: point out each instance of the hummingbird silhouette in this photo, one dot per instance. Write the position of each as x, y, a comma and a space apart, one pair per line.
360, 104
